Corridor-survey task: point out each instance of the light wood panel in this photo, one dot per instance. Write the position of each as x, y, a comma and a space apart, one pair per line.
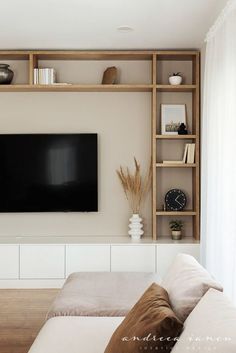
176, 213
22, 315
179, 88
75, 88
196, 124
154, 157
88, 88
176, 137
176, 165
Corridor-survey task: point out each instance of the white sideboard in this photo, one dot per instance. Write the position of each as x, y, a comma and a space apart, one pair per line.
47, 262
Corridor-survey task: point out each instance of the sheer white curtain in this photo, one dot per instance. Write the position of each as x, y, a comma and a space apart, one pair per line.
219, 151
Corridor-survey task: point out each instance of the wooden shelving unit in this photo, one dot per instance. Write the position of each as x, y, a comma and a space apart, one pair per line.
155, 86
192, 88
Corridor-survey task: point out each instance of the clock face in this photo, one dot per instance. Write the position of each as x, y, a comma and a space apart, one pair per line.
175, 200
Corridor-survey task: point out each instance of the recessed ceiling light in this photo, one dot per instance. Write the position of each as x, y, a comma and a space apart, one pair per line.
125, 29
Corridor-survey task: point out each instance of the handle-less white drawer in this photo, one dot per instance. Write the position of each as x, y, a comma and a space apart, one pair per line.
42, 261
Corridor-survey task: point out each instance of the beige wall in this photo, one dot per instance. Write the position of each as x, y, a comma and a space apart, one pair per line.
123, 123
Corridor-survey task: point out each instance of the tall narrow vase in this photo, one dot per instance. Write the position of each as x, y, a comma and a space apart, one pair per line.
135, 226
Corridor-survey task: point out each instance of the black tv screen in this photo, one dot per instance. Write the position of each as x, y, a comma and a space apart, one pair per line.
48, 173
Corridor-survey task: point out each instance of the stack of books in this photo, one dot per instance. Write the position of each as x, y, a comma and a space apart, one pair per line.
188, 157
45, 76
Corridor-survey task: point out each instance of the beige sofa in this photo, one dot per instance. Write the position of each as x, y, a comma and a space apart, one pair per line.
210, 326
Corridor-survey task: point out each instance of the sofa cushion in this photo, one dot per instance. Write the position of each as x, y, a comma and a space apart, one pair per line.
151, 318
71, 334
211, 327
186, 282
100, 293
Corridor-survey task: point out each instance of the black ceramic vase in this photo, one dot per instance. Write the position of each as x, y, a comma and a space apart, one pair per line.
6, 75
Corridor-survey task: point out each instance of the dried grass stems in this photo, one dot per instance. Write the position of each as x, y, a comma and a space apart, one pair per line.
134, 185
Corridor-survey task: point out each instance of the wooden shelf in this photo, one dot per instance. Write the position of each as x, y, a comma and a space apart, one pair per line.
76, 88
177, 165
176, 213
100, 54
176, 137
179, 88
177, 55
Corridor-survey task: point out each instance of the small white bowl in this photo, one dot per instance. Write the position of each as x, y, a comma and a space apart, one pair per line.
175, 80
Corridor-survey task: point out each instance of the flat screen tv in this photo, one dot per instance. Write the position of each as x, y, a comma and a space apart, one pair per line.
48, 173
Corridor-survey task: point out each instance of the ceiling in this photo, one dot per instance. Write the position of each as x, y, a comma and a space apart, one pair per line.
92, 24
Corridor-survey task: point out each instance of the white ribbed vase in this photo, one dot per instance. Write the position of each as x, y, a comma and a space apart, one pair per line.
135, 226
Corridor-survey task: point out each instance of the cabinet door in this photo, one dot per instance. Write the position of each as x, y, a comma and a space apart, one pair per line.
9, 261
42, 261
167, 252
140, 258
87, 258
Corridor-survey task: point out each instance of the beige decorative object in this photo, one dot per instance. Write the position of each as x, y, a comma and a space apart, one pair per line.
110, 76
136, 188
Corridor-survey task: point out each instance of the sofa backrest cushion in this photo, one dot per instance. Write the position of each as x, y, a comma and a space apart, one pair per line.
211, 327
186, 282
151, 325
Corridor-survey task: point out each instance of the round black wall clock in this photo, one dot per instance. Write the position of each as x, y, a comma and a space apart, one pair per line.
175, 200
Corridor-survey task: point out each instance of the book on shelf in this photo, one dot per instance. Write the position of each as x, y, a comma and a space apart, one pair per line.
61, 84
173, 162
44, 76
188, 156
191, 153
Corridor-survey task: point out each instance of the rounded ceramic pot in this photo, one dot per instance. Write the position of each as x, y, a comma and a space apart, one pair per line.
6, 75
176, 234
135, 226
175, 80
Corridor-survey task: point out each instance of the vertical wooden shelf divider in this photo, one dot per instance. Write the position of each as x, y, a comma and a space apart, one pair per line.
196, 125
154, 131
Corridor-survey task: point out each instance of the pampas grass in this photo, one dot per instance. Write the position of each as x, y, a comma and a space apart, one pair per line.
134, 185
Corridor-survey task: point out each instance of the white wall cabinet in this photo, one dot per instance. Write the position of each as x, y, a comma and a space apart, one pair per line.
133, 258
87, 258
42, 261
48, 265
9, 261
167, 252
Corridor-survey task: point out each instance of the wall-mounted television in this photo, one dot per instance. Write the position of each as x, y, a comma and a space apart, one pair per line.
48, 173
